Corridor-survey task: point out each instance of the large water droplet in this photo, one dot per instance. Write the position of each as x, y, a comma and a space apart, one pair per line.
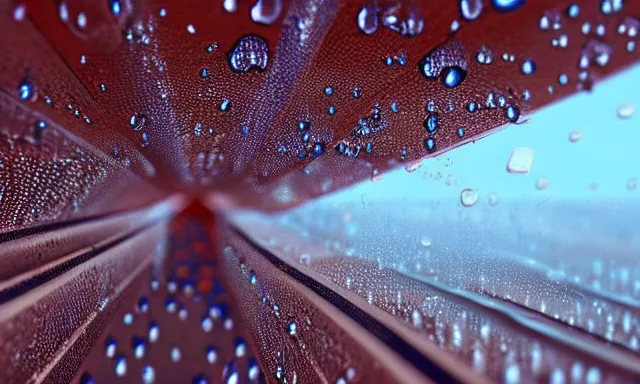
453, 76
520, 160
368, 19
249, 52
469, 197
266, 11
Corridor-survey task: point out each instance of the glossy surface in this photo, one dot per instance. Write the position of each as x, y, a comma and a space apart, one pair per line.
508, 259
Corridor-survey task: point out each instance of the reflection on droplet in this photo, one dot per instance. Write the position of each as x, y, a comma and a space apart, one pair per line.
576, 135
626, 110
468, 197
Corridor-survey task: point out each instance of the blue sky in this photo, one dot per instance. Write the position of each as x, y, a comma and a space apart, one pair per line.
608, 154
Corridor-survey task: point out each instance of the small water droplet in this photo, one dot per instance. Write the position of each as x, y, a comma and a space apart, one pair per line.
430, 144
506, 6
542, 183
494, 199
626, 111
528, 67
576, 135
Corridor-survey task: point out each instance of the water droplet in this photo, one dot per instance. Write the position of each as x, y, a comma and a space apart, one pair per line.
19, 13
461, 132
292, 328
241, 347
632, 184
225, 105
493, 199
528, 67
110, 347
212, 355
403, 19
563, 79
249, 53
25, 90
430, 144
425, 241
454, 76
431, 123
520, 160
207, 324
512, 113
542, 183
470, 9
230, 5
176, 355
368, 19
626, 111
512, 374
148, 374
469, 197
573, 11
328, 91
576, 135
121, 366
505, 6
266, 12
115, 7
254, 370
154, 332
484, 55
472, 107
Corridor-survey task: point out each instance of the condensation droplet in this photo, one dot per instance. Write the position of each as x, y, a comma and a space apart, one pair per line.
493, 199
576, 135
368, 20
520, 160
266, 11
470, 9
626, 110
542, 183
469, 197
